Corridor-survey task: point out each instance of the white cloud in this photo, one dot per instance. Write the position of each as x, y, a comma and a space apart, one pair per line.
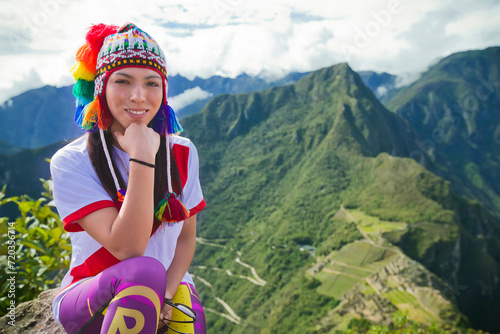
476, 27
29, 81
382, 90
188, 97
259, 37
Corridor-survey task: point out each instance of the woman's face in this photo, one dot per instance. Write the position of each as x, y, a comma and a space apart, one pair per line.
134, 95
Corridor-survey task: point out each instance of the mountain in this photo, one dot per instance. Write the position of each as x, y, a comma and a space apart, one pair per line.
217, 85
455, 108
7, 148
281, 170
381, 84
44, 116
39, 117
22, 170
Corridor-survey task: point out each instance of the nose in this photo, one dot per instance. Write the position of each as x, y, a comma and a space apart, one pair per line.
137, 94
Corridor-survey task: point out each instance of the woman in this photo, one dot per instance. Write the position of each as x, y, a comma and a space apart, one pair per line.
116, 189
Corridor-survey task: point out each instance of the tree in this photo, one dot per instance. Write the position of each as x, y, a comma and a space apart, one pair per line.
35, 249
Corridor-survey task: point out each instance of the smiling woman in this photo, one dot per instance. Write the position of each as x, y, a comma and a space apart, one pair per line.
133, 95
116, 189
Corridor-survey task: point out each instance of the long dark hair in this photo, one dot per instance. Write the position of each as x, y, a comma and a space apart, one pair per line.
98, 158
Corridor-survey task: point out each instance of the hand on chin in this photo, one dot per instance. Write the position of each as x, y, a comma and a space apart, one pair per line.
139, 141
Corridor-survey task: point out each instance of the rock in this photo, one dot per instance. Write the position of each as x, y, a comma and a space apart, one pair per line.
33, 317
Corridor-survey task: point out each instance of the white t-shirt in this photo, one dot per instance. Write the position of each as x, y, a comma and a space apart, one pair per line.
78, 192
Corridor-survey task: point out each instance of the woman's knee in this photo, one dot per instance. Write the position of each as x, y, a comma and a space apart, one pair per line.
146, 266
141, 270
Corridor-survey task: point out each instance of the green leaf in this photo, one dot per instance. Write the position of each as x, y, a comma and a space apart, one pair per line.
34, 245
42, 232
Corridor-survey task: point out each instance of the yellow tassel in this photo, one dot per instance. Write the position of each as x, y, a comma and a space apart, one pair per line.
160, 208
91, 114
80, 71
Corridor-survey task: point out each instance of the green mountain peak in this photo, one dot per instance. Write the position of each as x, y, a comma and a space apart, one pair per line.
454, 109
276, 167
332, 101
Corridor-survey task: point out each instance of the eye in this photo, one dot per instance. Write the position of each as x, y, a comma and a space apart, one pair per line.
121, 81
153, 84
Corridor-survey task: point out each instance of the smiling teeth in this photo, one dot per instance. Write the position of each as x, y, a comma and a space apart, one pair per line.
136, 112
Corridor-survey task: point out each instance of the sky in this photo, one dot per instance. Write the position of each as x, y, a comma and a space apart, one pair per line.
265, 38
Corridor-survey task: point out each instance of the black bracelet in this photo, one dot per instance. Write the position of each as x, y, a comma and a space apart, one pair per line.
142, 162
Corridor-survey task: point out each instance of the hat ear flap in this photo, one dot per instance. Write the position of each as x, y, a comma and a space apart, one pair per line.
104, 117
160, 121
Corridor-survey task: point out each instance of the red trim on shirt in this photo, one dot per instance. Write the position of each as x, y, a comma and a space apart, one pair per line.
198, 208
94, 264
181, 155
70, 224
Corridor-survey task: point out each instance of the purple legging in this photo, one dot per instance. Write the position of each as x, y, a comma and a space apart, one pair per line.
124, 298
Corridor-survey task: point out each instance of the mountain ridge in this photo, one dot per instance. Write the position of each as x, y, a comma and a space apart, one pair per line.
55, 106
305, 157
454, 108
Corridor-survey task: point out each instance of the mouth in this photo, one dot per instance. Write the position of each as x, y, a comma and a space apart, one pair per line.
136, 112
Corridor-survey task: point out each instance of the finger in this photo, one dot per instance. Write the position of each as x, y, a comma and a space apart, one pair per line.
118, 136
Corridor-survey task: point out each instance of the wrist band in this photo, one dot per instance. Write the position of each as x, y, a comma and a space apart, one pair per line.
142, 162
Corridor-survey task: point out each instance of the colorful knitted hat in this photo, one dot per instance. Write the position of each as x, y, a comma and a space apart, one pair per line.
109, 48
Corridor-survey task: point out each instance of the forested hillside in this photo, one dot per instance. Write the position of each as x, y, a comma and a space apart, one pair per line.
455, 108
277, 167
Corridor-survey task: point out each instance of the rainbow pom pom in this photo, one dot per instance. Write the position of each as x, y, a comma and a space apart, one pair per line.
171, 210
88, 113
80, 71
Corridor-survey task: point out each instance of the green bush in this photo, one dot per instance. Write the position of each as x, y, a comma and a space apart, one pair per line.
401, 324
35, 250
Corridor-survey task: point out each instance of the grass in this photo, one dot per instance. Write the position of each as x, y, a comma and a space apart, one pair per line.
367, 289
355, 262
401, 297
361, 271
406, 301
356, 253
333, 285
373, 225
363, 254
391, 226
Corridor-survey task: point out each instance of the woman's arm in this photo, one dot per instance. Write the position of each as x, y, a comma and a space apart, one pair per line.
184, 252
126, 233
